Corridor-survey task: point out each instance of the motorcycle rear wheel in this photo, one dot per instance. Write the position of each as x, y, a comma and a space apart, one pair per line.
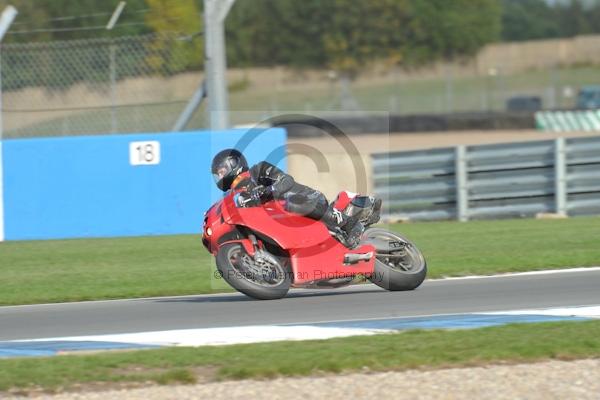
268, 280
404, 269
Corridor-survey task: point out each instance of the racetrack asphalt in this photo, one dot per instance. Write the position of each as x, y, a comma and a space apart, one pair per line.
499, 293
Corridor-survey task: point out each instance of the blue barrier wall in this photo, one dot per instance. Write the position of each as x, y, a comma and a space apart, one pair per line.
86, 186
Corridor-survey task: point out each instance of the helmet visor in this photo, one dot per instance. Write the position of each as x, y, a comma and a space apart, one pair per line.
222, 170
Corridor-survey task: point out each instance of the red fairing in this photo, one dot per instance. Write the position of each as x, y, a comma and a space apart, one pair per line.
214, 227
286, 229
315, 255
326, 261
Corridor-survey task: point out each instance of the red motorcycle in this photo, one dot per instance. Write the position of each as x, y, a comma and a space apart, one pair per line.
264, 250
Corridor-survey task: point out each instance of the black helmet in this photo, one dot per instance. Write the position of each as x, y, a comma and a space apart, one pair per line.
226, 166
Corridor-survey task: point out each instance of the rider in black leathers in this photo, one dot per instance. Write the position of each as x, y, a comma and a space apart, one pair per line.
265, 182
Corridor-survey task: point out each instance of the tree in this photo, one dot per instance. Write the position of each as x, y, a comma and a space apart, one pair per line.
593, 15
409, 32
442, 29
345, 35
180, 46
29, 15
527, 20
361, 33
266, 32
536, 19
45, 20
572, 19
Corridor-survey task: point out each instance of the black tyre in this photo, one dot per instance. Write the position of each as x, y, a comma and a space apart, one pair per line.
265, 278
402, 267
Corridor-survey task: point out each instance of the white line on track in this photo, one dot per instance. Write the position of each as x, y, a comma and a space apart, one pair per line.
518, 274
542, 311
271, 333
579, 311
221, 336
351, 288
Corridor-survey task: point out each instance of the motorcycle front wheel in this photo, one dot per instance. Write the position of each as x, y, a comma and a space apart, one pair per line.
262, 278
398, 267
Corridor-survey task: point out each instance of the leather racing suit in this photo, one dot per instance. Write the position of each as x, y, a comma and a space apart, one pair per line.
272, 183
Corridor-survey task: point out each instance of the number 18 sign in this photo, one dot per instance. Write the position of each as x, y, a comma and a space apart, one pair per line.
144, 153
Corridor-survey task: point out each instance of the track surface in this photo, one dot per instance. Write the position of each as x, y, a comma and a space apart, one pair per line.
576, 288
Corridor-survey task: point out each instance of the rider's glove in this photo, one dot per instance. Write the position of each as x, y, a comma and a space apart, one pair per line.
244, 199
261, 194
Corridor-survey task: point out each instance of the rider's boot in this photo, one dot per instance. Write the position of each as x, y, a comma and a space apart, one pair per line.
375, 212
354, 231
350, 226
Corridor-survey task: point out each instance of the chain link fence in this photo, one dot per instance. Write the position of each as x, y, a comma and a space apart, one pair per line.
524, 76
122, 85
142, 84
442, 89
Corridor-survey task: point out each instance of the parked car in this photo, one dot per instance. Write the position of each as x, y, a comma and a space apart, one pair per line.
588, 97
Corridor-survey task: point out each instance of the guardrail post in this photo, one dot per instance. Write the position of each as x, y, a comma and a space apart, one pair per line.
560, 177
215, 62
462, 194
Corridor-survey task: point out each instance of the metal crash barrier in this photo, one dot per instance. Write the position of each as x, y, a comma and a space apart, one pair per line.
559, 176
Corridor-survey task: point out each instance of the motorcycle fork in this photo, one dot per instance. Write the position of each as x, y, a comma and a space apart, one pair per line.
254, 242
250, 244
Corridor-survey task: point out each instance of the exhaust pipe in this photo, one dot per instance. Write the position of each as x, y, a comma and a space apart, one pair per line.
355, 258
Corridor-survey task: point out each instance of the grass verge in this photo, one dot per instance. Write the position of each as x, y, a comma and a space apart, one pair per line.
407, 350
490, 247
87, 269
